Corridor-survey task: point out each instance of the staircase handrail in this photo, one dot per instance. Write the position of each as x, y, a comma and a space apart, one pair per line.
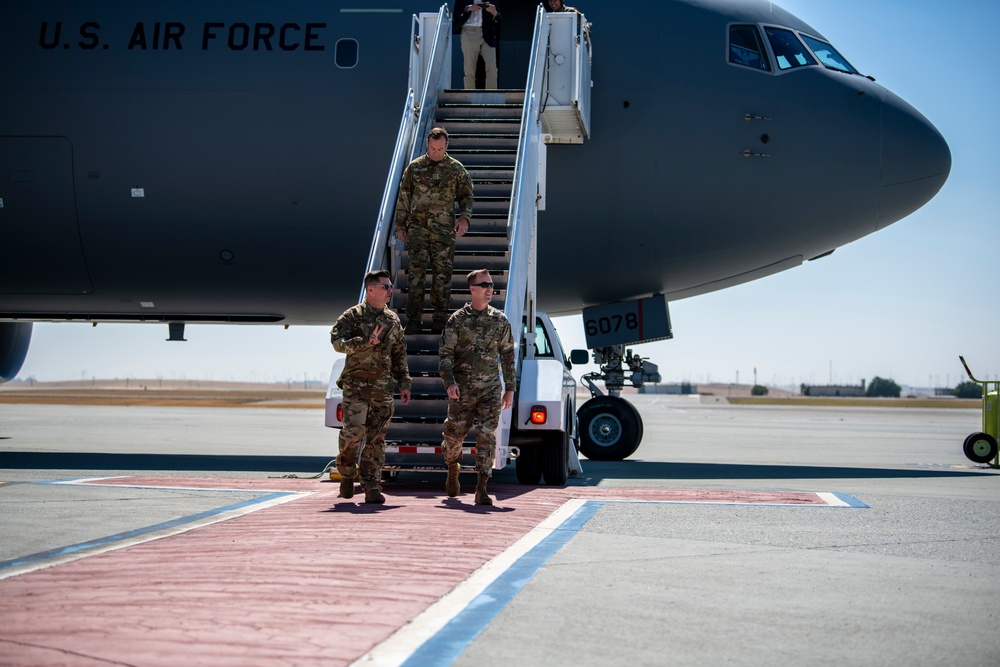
410, 131
581, 82
377, 256
524, 203
438, 77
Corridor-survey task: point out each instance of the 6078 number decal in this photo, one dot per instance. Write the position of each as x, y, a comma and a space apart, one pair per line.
611, 324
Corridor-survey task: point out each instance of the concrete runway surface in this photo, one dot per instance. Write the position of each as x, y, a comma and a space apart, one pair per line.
736, 535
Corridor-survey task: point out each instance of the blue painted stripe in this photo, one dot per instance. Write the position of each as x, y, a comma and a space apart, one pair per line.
851, 500
43, 556
448, 643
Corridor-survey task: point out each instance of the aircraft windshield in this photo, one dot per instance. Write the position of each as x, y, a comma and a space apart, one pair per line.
788, 50
828, 55
746, 48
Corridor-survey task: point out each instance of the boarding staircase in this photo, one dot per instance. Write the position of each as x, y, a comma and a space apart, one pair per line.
499, 136
483, 130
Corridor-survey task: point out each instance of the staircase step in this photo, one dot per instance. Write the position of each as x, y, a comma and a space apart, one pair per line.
494, 206
426, 411
422, 344
458, 282
422, 365
489, 158
483, 242
458, 96
479, 173
428, 387
488, 224
458, 126
458, 299
416, 433
464, 263
480, 141
497, 112
492, 189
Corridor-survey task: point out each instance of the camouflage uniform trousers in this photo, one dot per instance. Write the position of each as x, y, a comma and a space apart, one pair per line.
478, 408
439, 250
367, 412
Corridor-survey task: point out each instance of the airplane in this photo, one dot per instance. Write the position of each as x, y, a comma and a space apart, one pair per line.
183, 163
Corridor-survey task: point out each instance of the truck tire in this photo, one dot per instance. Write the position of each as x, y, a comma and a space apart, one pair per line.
528, 465
610, 428
980, 447
554, 451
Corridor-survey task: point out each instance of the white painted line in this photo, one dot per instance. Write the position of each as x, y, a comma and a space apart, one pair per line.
45, 559
831, 499
96, 481
398, 648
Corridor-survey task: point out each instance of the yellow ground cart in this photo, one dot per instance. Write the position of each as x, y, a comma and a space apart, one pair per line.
981, 447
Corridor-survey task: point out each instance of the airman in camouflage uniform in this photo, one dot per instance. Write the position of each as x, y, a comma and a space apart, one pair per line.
473, 339
372, 338
425, 221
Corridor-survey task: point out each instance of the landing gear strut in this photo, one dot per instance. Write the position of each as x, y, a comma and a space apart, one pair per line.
610, 426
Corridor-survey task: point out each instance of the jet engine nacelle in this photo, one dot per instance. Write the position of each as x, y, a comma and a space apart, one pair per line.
14, 340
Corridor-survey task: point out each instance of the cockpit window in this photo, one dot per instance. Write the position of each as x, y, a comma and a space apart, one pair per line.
828, 55
746, 47
788, 50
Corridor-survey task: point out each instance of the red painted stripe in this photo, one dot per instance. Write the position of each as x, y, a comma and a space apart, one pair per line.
282, 584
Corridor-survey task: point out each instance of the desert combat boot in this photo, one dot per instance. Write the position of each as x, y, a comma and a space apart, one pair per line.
481, 497
373, 494
451, 485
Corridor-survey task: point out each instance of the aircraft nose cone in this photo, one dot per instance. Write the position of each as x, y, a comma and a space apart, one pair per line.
916, 161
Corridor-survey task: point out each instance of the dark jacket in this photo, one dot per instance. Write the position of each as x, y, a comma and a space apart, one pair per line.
491, 24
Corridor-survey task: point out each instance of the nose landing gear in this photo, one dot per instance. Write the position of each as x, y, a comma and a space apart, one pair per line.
610, 426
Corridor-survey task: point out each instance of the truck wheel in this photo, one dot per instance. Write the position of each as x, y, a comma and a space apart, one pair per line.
554, 451
980, 447
610, 428
528, 465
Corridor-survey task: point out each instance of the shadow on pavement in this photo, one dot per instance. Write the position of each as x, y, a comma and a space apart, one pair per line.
594, 471
160, 462
597, 471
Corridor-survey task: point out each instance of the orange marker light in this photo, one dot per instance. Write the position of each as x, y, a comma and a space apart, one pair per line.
538, 414
340, 412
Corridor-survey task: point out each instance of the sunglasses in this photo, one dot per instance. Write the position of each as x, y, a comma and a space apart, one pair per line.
383, 286
483, 285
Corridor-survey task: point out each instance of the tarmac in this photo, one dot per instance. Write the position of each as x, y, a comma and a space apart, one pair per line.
736, 535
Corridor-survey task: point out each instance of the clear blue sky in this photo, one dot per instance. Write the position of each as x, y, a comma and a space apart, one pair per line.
902, 303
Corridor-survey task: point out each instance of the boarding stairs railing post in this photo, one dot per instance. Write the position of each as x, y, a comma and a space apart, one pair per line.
566, 91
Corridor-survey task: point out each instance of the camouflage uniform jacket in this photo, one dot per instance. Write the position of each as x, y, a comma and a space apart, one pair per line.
470, 344
428, 192
367, 364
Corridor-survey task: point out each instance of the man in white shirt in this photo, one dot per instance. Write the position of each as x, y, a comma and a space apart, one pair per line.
479, 21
